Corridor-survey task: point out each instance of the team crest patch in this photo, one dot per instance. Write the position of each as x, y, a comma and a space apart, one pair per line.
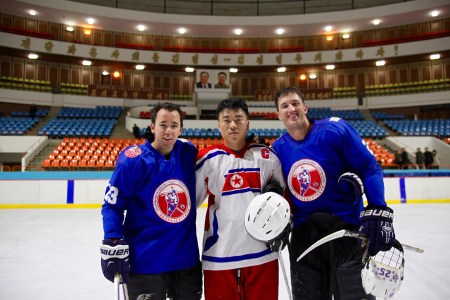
171, 201
307, 180
133, 152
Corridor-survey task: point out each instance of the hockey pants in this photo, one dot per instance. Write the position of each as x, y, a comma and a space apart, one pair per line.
331, 271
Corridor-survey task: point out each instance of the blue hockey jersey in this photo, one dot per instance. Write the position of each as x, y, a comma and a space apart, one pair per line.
158, 196
313, 165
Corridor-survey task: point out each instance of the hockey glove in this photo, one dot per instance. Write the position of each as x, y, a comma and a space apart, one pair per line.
115, 259
273, 187
376, 225
277, 244
355, 181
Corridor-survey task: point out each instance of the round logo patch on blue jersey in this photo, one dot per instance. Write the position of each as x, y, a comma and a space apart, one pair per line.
171, 201
306, 180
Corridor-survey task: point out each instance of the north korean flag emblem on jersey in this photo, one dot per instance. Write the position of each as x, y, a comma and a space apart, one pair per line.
241, 181
171, 201
306, 180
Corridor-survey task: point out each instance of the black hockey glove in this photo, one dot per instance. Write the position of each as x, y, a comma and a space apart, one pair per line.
115, 259
278, 243
355, 181
273, 187
376, 225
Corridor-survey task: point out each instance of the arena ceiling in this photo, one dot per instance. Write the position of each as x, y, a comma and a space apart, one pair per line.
255, 26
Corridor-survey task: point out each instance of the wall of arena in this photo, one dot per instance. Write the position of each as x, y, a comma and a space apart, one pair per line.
86, 189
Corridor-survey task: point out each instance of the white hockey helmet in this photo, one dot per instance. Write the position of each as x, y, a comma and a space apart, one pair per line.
382, 274
267, 216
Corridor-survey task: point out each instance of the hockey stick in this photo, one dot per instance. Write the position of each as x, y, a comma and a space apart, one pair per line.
283, 270
118, 282
348, 233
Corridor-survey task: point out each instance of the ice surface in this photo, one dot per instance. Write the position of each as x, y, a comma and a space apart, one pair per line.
53, 254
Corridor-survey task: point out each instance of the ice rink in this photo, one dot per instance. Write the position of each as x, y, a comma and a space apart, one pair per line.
53, 254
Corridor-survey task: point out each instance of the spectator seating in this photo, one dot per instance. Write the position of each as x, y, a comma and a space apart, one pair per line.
381, 116
436, 127
369, 129
326, 112
74, 88
20, 83
382, 155
78, 127
101, 112
16, 125
75, 153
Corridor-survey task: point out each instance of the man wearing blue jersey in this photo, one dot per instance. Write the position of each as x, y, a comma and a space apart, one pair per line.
154, 183
314, 156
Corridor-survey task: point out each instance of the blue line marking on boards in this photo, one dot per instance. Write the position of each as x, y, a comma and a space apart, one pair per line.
70, 191
402, 190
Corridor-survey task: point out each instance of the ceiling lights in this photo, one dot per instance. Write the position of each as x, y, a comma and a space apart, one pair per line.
233, 70
189, 69
33, 56
376, 22
281, 69
329, 67
141, 27
238, 31
86, 62
182, 30
435, 56
380, 63
140, 67
434, 13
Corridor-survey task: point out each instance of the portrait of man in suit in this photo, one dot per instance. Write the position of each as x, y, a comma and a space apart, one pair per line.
203, 83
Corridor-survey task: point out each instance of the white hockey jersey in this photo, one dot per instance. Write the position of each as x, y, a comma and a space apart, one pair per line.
230, 181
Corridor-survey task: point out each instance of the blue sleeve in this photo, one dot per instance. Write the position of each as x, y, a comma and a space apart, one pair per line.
363, 163
119, 192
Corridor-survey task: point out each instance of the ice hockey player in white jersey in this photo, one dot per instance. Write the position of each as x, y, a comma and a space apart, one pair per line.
235, 265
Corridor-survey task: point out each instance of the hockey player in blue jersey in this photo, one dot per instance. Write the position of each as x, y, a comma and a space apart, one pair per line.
154, 186
314, 156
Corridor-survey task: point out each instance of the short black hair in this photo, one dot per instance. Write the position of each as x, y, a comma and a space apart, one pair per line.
286, 91
169, 106
234, 104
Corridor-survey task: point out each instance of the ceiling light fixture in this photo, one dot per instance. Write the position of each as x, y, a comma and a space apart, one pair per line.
33, 56
435, 56
434, 13
328, 28
182, 30
346, 36
281, 69
233, 70
141, 27
86, 62
105, 73
189, 69
32, 12
376, 22
312, 76
238, 31
329, 67
90, 21
279, 31
69, 28
380, 63
140, 67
